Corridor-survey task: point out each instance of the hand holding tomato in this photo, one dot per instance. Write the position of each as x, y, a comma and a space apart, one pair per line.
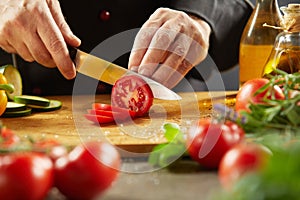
208, 141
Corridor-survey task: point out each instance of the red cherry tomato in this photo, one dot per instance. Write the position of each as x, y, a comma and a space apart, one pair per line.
25, 175
87, 171
207, 142
246, 93
241, 159
132, 92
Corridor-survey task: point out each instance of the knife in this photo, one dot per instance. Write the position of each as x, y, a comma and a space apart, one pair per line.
108, 72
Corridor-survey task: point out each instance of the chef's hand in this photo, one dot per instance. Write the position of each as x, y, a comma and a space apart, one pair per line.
168, 45
37, 31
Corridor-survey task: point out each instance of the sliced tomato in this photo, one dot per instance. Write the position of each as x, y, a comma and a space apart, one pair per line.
109, 110
133, 93
99, 118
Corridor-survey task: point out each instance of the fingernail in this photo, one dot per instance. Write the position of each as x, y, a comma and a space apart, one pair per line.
145, 72
70, 74
134, 68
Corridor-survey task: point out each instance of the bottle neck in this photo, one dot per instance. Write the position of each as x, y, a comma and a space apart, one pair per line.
271, 5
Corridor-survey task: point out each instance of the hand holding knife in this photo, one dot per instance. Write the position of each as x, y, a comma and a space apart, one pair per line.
108, 72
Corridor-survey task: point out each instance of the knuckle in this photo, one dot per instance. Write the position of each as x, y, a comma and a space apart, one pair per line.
180, 50
161, 39
56, 46
184, 67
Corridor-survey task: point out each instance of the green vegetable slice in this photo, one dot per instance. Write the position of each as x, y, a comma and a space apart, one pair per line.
13, 107
13, 77
20, 113
32, 100
54, 105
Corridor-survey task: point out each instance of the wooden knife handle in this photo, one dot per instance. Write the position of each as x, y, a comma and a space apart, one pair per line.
72, 52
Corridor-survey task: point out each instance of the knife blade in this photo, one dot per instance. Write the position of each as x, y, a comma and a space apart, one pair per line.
108, 72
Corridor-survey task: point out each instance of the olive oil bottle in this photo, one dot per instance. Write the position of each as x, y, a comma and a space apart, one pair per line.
257, 40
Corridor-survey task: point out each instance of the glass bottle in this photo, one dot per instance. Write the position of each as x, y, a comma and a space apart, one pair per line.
285, 54
257, 40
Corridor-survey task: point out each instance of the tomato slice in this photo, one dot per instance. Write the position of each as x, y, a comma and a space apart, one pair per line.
133, 93
99, 118
118, 116
109, 110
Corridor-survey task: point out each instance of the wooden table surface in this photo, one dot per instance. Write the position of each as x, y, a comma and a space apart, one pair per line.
136, 138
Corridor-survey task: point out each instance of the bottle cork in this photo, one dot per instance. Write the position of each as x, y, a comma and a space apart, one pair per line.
291, 17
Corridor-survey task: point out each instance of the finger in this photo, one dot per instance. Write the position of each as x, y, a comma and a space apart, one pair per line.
55, 44
65, 29
141, 43
197, 53
24, 52
178, 75
155, 54
165, 71
7, 47
177, 52
39, 51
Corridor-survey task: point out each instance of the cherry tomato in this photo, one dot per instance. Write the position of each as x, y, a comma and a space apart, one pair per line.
87, 171
132, 92
8, 138
241, 159
246, 93
25, 175
208, 141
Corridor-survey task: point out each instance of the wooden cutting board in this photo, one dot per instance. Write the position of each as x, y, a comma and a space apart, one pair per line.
69, 126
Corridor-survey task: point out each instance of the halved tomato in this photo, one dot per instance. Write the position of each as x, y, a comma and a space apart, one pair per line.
132, 92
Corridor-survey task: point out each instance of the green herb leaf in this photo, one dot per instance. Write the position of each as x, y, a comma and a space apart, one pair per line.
164, 154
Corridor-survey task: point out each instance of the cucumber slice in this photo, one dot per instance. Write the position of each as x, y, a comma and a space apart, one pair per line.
13, 107
32, 100
54, 105
20, 113
13, 77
